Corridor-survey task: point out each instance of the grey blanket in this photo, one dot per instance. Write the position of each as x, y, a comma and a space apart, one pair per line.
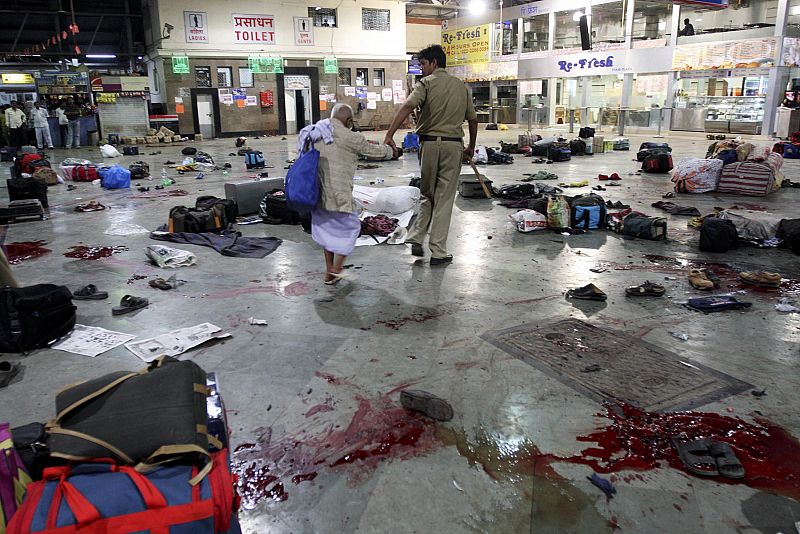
227, 243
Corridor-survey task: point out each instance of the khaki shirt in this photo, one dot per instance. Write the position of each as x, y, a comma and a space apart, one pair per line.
337, 166
446, 103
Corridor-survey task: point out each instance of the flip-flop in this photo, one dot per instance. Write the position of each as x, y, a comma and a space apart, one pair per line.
128, 304
587, 292
648, 289
89, 292
341, 276
728, 464
159, 283
715, 304
696, 456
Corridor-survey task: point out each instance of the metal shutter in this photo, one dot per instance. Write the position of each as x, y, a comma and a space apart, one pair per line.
126, 116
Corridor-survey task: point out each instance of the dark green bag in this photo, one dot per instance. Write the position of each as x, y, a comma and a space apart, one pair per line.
140, 419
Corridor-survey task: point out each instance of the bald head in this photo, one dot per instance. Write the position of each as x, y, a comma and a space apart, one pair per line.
343, 112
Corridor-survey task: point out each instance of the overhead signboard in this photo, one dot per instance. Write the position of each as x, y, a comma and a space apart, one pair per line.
745, 54
18, 78
467, 45
253, 29
704, 3
196, 25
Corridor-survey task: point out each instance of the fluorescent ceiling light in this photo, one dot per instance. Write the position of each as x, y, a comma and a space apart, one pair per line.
101, 56
577, 16
794, 10
476, 7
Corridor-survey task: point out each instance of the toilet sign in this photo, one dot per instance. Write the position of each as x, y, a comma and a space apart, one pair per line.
303, 31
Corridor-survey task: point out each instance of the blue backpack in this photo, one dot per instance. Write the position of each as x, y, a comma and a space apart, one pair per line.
302, 184
253, 160
411, 141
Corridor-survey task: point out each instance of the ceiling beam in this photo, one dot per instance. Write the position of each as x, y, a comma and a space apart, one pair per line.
19, 32
77, 14
91, 43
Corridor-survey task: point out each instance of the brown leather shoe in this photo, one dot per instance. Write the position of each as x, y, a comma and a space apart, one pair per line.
426, 403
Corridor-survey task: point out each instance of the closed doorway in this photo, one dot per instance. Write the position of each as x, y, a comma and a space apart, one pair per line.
205, 112
205, 116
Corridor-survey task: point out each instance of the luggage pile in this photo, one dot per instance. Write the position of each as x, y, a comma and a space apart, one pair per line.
655, 157
731, 166
789, 149
128, 452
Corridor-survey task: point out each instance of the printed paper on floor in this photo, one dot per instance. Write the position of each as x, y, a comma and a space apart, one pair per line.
175, 342
91, 340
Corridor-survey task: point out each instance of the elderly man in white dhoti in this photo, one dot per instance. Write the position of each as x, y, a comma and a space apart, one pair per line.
335, 225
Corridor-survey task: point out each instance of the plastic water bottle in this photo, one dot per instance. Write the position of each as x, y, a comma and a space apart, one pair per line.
164, 174
225, 172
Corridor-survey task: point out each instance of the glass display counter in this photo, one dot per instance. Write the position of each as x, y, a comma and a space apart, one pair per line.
719, 114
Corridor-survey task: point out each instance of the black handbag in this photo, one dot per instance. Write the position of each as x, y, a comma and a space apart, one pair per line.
35, 316
30, 441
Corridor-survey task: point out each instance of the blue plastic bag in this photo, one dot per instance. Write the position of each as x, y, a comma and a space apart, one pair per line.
411, 142
115, 177
302, 184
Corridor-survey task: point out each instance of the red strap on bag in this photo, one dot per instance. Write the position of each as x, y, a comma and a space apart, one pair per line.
152, 497
84, 511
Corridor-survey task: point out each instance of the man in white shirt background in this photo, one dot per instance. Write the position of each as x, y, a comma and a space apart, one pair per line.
42, 127
15, 119
63, 122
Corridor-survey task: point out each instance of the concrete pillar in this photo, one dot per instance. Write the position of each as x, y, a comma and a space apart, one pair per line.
629, 23
675, 25
551, 33
551, 100
520, 36
672, 79
585, 98
778, 76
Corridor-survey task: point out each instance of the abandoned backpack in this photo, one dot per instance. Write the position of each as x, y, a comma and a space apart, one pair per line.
516, 191
586, 132
588, 212
193, 220
718, 235
275, 210
34, 317
643, 227
656, 163
577, 147
139, 170
189, 151
789, 232
208, 202
135, 418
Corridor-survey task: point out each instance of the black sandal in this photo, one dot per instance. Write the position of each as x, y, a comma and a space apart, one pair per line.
696, 456
728, 464
648, 289
128, 304
89, 292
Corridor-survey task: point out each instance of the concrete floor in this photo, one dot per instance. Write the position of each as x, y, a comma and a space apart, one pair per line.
321, 379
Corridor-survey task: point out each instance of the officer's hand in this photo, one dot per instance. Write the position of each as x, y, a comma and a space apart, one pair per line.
469, 152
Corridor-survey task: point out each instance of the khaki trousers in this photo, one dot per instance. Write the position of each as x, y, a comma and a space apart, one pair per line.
7, 278
440, 167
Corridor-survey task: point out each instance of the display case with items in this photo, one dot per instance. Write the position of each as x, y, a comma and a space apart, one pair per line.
720, 114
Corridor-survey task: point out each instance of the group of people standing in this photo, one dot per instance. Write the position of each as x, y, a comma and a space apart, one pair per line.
445, 103
14, 129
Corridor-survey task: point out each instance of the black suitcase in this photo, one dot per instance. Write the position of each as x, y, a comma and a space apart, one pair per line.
275, 210
130, 151
658, 163
17, 209
645, 153
135, 418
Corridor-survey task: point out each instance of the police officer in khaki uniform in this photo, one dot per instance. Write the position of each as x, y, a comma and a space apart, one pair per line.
445, 103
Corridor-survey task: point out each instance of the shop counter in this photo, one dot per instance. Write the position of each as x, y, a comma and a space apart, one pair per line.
87, 124
689, 119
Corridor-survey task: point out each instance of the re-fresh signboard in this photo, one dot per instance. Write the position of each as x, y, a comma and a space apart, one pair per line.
467, 45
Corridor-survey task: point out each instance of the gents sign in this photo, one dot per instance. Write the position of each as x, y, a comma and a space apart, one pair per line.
466, 46
253, 29
586, 63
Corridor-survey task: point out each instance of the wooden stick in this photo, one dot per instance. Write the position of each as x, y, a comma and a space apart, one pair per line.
480, 179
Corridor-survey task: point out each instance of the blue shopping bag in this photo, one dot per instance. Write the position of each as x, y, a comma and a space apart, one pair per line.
302, 184
115, 177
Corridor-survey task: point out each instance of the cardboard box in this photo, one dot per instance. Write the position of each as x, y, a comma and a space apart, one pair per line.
166, 131
151, 139
127, 140
140, 141
176, 138
151, 131
198, 137
598, 146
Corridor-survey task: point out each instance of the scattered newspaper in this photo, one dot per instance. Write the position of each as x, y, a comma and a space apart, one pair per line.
175, 342
91, 340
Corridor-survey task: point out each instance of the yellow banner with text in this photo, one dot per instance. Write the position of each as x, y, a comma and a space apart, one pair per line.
467, 46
